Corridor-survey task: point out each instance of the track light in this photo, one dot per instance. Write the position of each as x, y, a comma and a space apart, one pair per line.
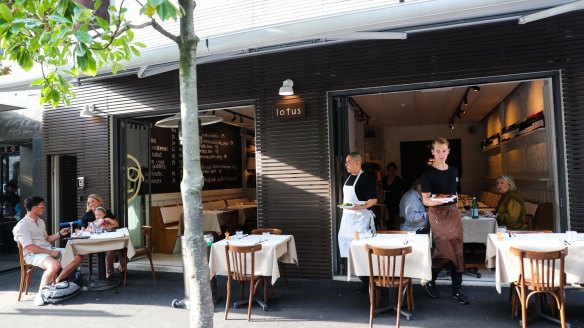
475, 88
240, 119
465, 100
233, 118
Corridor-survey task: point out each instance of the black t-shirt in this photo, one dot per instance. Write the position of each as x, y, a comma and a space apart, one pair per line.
366, 187
438, 182
90, 217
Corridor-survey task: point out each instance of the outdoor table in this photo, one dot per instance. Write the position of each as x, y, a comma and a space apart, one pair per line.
275, 248
477, 230
418, 263
212, 220
507, 266
99, 244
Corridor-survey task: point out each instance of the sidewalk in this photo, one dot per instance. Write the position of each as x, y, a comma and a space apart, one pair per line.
305, 303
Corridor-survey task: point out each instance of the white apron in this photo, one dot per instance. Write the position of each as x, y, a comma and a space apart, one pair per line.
352, 220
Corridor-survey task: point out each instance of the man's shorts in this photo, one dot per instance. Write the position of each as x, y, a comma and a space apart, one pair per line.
38, 259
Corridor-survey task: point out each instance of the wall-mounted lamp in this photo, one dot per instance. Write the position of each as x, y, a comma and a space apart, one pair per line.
87, 111
286, 89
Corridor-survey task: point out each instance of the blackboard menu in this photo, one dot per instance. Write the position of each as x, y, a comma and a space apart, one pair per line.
165, 160
221, 156
221, 161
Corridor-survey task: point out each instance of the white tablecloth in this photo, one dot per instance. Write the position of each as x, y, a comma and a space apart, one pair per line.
106, 241
418, 262
212, 220
477, 230
275, 248
507, 266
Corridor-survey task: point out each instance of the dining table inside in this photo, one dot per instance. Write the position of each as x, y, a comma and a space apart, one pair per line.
89, 243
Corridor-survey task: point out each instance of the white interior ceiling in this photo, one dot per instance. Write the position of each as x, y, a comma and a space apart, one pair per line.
432, 106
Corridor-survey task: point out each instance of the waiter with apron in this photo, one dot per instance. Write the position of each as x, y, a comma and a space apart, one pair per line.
444, 218
360, 190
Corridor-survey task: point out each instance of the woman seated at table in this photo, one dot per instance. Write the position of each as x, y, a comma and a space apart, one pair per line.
511, 208
95, 210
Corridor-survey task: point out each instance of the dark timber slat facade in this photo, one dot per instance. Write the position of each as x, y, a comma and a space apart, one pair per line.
293, 157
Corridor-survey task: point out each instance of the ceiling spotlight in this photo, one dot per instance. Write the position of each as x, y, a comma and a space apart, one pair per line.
451, 126
465, 101
475, 88
286, 88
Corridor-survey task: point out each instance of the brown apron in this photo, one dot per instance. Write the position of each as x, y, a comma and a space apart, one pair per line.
447, 235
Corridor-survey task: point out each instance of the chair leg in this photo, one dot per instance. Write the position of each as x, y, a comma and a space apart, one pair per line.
399, 304
228, 297
251, 292
22, 283
28, 277
151, 267
371, 303
562, 314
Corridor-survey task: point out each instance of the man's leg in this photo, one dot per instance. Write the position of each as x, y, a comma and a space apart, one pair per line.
51, 267
457, 292
70, 268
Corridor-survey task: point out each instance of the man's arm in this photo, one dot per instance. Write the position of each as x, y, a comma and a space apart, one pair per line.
413, 210
428, 202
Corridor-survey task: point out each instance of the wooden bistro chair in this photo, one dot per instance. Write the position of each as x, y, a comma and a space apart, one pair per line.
273, 231
385, 261
542, 267
238, 260
25, 273
145, 250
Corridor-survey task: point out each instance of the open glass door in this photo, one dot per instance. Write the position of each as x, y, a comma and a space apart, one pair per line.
134, 168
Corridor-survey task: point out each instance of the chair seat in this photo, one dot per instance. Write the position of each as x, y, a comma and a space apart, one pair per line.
391, 283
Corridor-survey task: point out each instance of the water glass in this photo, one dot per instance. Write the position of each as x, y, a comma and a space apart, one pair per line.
239, 234
501, 231
267, 233
571, 235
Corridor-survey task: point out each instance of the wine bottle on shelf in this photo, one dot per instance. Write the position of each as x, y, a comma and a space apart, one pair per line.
474, 208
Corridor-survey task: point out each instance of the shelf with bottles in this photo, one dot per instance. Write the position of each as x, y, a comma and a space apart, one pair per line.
533, 123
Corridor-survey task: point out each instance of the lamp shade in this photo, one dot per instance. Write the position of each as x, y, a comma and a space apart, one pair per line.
286, 88
87, 111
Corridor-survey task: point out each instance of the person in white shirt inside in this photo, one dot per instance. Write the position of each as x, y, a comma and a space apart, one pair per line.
412, 209
32, 234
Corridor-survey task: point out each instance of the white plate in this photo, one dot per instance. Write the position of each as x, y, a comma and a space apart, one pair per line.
345, 207
443, 200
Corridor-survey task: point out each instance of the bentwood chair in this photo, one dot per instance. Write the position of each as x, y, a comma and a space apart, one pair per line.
388, 274
544, 279
238, 260
145, 250
273, 231
25, 273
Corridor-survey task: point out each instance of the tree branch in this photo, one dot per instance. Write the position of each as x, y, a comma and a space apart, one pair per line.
164, 32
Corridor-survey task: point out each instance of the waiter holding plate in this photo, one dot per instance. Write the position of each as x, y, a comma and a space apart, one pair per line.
360, 191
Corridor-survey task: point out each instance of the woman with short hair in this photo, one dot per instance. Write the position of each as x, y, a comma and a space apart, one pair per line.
511, 208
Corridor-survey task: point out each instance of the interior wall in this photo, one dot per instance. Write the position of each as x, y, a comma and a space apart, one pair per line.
473, 160
527, 157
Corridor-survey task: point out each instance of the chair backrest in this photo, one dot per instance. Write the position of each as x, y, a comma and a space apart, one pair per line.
542, 268
235, 201
147, 232
237, 261
386, 232
530, 208
273, 231
171, 214
216, 204
492, 199
529, 231
23, 265
482, 197
385, 261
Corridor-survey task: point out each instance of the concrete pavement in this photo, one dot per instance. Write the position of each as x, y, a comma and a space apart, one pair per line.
305, 303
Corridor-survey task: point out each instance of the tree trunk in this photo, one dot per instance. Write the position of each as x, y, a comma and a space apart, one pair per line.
196, 267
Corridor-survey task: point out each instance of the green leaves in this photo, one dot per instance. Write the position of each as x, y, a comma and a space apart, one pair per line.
68, 39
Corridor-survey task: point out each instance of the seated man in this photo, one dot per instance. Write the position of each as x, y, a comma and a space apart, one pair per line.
31, 233
413, 211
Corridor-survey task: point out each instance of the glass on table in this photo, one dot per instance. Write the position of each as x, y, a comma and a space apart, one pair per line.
266, 233
239, 234
571, 235
501, 231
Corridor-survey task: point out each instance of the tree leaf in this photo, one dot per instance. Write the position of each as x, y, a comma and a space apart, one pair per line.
59, 19
84, 37
5, 13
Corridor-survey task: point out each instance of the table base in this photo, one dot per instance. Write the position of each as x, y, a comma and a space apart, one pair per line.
97, 285
255, 300
403, 312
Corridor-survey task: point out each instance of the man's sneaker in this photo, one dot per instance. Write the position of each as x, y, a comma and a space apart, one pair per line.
38, 299
431, 289
460, 297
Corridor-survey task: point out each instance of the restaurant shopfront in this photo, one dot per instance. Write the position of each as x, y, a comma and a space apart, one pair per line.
299, 160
